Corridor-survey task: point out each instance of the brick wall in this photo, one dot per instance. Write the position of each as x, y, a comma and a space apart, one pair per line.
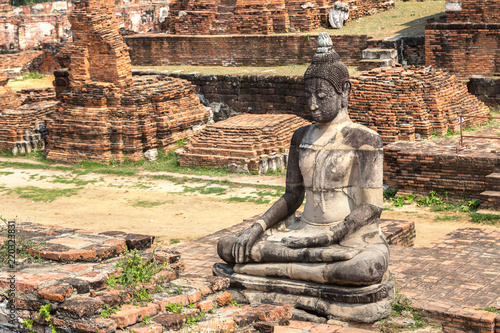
486, 89
24, 32
13, 64
475, 11
463, 48
28, 27
426, 166
397, 102
275, 50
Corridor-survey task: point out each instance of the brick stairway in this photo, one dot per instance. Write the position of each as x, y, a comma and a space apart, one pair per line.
490, 199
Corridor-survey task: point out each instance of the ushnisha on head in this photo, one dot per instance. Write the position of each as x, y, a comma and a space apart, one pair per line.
327, 83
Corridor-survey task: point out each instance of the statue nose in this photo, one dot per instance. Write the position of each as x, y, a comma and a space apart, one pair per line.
314, 107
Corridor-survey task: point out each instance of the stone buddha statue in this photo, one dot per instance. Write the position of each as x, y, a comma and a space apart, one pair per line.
334, 255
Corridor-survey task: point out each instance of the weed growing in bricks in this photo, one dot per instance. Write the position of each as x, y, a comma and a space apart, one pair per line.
234, 303
107, 311
174, 307
146, 320
44, 314
401, 309
490, 309
23, 245
136, 269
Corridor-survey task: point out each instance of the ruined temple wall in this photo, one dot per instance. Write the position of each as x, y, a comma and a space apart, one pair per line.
275, 50
476, 11
27, 32
26, 28
397, 103
424, 166
464, 49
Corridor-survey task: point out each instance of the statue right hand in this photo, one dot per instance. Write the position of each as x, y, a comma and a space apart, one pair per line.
244, 242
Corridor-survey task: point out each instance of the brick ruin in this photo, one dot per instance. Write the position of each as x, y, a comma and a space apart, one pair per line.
398, 102
106, 114
273, 50
401, 102
213, 17
468, 41
20, 115
253, 142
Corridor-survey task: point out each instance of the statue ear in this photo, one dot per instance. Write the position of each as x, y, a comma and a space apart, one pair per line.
345, 93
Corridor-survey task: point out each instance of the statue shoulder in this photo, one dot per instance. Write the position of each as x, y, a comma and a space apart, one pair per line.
357, 135
299, 134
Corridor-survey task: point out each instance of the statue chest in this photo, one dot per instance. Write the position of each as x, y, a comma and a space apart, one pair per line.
327, 167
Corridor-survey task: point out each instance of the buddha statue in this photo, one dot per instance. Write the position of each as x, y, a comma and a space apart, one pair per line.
335, 251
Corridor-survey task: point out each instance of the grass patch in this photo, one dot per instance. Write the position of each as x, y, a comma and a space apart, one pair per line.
484, 218
447, 218
490, 309
75, 180
407, 19
148, 204
42, 194
31, 80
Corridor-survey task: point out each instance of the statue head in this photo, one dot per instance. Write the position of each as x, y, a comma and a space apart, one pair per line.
327, 82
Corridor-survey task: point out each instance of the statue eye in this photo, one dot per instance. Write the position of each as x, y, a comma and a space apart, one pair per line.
321, 94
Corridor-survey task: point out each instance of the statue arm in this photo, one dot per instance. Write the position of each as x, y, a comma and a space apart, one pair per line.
284, 207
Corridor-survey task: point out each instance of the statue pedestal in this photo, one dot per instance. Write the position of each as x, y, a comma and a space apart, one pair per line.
361, 304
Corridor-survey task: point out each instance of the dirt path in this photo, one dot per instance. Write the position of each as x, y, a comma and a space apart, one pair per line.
169, 210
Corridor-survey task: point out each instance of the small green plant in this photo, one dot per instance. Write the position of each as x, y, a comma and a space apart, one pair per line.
136, 269
33, 75
111, 281
157, 289
174, 241
148, 204
174, 307
142, 296
108, 311
399, 201
28, 323
234, 303
178, 290
191, 306
44, 314
390, 194
490, 309
146, 320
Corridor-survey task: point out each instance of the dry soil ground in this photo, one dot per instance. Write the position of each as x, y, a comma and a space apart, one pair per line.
170, 210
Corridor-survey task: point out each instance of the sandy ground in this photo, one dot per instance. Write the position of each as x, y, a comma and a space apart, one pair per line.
114, 203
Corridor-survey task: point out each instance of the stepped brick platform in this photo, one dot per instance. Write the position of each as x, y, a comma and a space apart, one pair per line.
23, 118
437, 166
216, 17
243, 140
34, 95
401, 102
105, 114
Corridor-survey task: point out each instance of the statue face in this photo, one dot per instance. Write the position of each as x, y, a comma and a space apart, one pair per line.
323, 101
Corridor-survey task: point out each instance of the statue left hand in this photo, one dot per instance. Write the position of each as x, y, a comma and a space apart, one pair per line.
244, 242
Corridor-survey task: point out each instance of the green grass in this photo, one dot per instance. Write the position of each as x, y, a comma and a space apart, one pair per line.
33, 76
485, 218
407, 19
447, 218
42, 194
148, 204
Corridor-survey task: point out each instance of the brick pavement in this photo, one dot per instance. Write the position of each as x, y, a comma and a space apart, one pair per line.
451, 280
